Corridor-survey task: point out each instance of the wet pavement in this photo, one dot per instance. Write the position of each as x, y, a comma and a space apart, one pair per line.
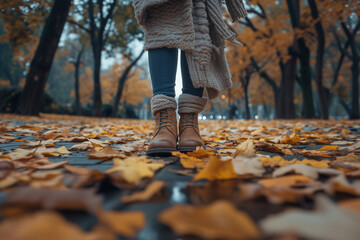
179, 190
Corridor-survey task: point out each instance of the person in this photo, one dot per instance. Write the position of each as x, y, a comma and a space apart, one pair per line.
196, 28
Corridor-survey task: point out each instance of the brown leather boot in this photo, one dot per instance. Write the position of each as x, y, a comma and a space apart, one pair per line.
164, 140
189, 133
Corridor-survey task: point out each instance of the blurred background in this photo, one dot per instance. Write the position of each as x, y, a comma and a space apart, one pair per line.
85, 57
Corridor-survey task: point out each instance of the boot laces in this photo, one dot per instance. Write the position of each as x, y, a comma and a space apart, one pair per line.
164, 119
189, 120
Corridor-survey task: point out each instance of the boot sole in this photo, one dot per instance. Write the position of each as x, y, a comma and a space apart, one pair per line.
161, 151
188, 149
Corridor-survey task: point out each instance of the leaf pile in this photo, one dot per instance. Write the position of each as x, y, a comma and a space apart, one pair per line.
58, 163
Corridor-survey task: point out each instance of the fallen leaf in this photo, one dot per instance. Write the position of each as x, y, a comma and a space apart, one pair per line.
286, 181
126, 224
328, 148
351, 157
328, 221
305, 170
84, 176
143, 196
351, 204
293, 139
246, 147
107, 153
84, 146
42, 226
248, 165
70, 199
133, 169
275, 195
190, 162
220, 220
314, 153
216, 170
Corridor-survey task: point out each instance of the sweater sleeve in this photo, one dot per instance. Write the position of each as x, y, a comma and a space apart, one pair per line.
236, 9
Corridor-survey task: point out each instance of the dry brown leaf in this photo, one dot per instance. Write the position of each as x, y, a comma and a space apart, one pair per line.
143, 196
5, 168
42, 226
351, 157
248, 165
107, 153
85, 200
220, 220
84, 176
305, 170
84, 146
314, 153
352, 147
286, 181
328, 221
46, 143
275, 148
293, 139
216, 170
190, 162
246, 147
351, 204
279, 161
341, 184
275, 195
126, 224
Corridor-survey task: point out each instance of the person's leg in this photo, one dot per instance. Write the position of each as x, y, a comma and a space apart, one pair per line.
191, 103
188, 87
163, 65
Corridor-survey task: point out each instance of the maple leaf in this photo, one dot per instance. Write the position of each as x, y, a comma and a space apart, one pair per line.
133, 169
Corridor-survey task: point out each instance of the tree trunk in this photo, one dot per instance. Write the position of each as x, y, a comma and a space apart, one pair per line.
308, 110
355, 82
247, 107
31, 97
270, 81
97, 99
77, 83
319, 60
303, 52
121, 84
287, 89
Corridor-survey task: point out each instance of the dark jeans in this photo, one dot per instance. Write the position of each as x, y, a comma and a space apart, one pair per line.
163, 65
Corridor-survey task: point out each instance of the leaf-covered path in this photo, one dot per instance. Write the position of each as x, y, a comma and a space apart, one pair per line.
90, 178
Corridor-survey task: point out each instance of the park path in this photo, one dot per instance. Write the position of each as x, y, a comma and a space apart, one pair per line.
330, 145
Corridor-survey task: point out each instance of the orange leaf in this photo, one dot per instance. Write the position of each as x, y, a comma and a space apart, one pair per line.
217, 170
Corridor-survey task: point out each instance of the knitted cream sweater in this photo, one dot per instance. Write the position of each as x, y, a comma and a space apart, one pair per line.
197, 27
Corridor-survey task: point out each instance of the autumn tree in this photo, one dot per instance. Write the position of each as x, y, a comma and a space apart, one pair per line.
31, 98
20, 26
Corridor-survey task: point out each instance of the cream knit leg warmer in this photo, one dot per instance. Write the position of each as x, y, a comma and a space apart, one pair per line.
160, 102
191, 104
